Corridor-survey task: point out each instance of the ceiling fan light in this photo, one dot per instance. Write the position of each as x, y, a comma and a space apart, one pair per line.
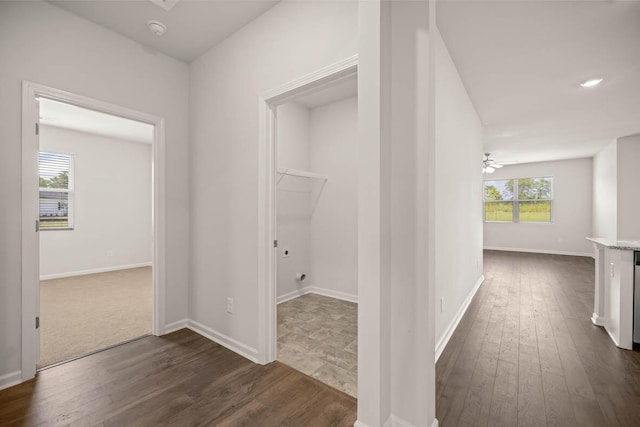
489, 169
591, 82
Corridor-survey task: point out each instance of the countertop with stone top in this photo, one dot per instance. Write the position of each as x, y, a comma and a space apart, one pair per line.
626, 245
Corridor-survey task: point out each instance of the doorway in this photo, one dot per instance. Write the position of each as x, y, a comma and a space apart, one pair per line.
95, 188
316, 229
93, 184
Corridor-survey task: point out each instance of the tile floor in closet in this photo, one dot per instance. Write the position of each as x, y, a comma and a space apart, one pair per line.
317, 335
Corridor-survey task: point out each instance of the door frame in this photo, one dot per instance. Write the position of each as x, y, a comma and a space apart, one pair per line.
268, 102
31, 92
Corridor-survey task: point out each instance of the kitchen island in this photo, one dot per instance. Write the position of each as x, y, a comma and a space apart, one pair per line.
613, 296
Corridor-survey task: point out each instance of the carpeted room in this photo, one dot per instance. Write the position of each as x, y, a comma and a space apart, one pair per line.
95, 231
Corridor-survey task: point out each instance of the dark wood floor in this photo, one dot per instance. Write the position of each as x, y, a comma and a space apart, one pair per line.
526, 352
181, 379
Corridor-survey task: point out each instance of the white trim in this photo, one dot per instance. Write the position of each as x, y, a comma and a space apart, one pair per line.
29, 208
318, 291
332, 294
615, 341
292, 295
224, 340
267, 103
10, 379
442, 343
176, 326
395, 421
597, 320
539, 251
94, 271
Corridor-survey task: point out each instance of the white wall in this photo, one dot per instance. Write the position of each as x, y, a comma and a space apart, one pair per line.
44, 44
293, 193
334, 223
288, 41
605, 192
628, 188
458, 195
570, 211
112, 205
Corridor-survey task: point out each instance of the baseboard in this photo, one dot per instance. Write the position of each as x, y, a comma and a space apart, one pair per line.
291, 295
10, 379
94, 271
332, 294
225, 341
176, 326
540, 251
395, 421
318, 291
442, 343
615, 341
597, 320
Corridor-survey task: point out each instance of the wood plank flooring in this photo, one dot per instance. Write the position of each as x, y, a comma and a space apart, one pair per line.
527, 354
181, 379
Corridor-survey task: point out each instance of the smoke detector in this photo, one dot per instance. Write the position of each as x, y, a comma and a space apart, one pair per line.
157, 27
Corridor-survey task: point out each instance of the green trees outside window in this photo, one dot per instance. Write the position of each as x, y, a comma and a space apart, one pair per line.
518, 200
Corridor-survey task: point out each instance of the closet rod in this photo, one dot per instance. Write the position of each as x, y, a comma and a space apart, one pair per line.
303, 174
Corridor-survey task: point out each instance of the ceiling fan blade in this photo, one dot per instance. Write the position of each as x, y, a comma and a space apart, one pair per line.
496, 165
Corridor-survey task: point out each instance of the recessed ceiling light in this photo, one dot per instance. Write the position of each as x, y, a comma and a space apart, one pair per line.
591, 82
157, 27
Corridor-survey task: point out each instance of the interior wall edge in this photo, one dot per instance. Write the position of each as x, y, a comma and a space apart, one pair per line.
446, 336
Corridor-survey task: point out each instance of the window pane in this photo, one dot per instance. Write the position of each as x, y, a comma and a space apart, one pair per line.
55, 170
56, 190
534, 211
54, 209
501, 189
535, 188
498, 211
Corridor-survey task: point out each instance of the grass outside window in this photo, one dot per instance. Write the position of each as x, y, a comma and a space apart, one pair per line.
518, 200
539, 211
498, 211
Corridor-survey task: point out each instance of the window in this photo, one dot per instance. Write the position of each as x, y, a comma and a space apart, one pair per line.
56, 191
518, 200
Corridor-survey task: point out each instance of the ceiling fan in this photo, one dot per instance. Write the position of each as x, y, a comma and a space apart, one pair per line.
489, 165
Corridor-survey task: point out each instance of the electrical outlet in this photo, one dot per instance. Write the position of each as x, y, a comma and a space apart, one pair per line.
441, 304
230, 305
286, 252
110, 252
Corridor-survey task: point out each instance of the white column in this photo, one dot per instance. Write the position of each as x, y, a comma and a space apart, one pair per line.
396, 369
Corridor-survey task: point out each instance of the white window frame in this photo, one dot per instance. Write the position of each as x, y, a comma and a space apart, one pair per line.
70, 191
516, 201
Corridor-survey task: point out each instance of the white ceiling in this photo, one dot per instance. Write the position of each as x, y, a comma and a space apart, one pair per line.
327, 95
69, 116
522, 63
192, 26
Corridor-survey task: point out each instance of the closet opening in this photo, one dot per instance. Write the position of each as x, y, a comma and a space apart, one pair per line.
316, 233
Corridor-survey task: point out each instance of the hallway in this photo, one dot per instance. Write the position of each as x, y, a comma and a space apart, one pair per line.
526, 352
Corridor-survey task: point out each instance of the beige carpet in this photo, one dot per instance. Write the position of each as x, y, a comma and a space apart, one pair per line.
82, 314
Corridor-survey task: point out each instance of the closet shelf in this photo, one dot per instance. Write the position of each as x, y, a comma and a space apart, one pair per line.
302, 174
